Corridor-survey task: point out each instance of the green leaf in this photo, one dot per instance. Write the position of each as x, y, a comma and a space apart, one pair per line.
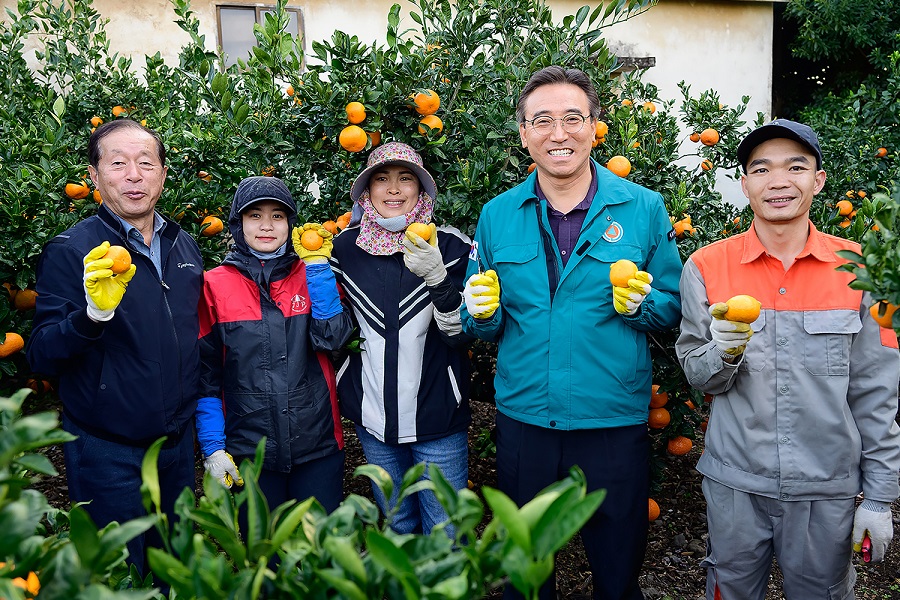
346, 555
394, 561
59, 106
150, 476
83, 534
506, 511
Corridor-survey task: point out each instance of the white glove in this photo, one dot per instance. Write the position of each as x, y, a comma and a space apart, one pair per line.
730, 337
627, 300
221, 466
482, 294
874, 518
423, 259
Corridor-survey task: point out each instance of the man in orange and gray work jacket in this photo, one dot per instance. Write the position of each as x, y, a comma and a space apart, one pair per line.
805, 396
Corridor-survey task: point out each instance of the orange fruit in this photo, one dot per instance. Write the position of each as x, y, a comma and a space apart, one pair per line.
25, 299
356, 112
97, 198
211, 226
427, 102
121, 259
117, 110
845, 223
649, 107
342, 222
658, 418
627, 102
268, 171
77, 191
96, 121
861, 193
330, 226
886, 319
12, 291
881, 152
653, 510
621, 271
742, 309
601, 129
311, 240
679, 445
706, 165
845, 207
39, 386
430, 121
657, 399
375, 136
204, 176
619, 165
695, 137
352, 138
420, 229
12, 344
709, 137
532, 167
704, 424
290, 90
850, 193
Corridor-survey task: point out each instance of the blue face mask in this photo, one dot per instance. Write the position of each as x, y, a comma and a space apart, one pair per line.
394, 224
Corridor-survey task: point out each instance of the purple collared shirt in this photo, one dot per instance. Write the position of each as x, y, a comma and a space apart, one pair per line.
566, 227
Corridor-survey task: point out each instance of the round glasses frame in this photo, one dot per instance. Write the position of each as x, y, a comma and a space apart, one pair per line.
571, 123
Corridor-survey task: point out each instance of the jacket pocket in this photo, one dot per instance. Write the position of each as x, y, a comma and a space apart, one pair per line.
522, 268
826, 349
610, 253
756, 354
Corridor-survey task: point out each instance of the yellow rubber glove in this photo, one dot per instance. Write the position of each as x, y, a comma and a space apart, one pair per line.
221, 466
482, 294
103, 289
627, 300
731, 337
310, 257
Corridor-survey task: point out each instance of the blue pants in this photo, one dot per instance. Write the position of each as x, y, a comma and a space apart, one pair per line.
420, 512
109, 476
322, 478
530, 458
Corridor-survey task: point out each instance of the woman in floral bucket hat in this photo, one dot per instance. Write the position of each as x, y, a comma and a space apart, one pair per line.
407, 391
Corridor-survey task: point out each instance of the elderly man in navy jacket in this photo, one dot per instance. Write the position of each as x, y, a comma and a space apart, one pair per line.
124, 346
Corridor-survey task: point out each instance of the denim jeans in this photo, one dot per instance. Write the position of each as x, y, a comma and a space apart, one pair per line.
108, 475
422, 511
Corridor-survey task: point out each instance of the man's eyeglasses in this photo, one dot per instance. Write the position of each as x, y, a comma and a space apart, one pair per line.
572, 123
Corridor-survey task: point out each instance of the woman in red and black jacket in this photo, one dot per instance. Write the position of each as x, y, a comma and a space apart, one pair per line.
268, 323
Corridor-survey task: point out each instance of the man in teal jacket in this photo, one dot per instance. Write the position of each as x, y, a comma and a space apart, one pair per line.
573, 366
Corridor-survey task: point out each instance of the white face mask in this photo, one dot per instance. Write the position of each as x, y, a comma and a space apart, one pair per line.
394, 224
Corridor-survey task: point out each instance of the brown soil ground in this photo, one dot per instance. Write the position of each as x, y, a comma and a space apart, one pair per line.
671, 567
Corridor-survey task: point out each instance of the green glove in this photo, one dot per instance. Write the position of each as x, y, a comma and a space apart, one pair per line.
302, 244
103, 289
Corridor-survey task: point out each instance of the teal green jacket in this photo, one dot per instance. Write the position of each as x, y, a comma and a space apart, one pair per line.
574, 362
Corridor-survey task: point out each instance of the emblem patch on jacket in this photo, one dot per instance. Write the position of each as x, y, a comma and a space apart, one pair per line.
298, 303
473, 251
613, 233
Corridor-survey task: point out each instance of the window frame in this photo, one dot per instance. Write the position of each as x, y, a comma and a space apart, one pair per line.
258, 12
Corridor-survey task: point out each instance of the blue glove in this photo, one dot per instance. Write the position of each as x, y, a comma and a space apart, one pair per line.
323, 291
210, 425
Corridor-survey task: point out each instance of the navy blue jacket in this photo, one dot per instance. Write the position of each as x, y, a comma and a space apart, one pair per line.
135, 377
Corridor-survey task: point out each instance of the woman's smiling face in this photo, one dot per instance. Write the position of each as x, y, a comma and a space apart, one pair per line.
394, 190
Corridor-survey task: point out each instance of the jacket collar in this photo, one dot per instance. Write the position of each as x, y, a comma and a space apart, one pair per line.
815, 246
170, 231
610, 189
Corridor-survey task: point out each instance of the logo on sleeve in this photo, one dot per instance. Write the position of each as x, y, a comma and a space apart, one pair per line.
473, 251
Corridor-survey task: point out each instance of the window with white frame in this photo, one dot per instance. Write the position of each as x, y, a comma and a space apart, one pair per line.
236, 28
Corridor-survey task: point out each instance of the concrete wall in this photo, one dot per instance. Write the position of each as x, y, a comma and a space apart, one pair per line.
725, 45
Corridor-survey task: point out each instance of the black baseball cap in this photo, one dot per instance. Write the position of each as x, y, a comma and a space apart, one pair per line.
779, 128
